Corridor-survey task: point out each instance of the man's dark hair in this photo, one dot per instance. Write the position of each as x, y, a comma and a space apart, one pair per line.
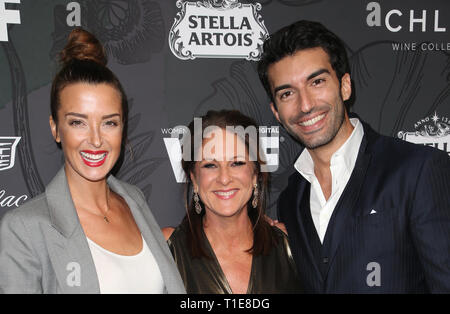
299, 36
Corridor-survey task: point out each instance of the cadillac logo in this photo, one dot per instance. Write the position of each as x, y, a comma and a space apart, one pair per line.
217, 29
8, 152
431, 131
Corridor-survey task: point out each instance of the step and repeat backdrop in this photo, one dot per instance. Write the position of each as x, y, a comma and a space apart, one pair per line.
179, 59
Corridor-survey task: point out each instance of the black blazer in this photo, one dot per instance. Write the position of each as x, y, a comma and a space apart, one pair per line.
389, 232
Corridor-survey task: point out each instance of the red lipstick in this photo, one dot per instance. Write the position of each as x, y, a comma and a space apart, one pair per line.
94, 158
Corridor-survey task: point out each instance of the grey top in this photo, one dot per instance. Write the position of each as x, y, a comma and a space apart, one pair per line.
43, 248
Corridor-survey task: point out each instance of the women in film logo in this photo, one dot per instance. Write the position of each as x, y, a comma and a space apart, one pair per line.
217, 29
430, 131
266, 138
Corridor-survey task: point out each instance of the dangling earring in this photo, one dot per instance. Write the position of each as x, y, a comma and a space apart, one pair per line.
198, 207
255, 196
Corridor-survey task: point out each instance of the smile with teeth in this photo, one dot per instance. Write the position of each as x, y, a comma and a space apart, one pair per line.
225, 194
312, 121
93, 157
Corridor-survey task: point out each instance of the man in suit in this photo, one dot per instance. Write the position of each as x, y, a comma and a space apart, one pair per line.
365, 213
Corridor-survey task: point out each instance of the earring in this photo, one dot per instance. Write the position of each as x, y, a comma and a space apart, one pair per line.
255, 196
198, 207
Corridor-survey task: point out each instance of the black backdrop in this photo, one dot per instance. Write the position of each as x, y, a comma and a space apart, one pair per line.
399, 52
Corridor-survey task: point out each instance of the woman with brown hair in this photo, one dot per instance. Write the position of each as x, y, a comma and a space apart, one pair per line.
88, 232
224, 244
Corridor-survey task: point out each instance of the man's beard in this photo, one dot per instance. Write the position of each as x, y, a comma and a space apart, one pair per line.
339, 117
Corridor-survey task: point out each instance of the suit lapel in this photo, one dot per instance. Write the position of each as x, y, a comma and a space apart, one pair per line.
348, 201
72, 262
67, 244
298, 190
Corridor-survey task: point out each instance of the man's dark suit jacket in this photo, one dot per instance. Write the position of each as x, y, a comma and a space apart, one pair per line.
389, 232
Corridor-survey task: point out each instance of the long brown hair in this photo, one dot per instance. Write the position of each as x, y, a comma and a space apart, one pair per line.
263, 239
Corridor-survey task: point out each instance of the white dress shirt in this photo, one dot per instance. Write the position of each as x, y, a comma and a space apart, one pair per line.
126, 274
341, 166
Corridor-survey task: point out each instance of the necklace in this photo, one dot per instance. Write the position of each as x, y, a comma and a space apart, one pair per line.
105, 218
107, 208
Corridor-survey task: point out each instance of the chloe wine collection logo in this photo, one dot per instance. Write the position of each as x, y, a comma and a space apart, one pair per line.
414, 21
395, 21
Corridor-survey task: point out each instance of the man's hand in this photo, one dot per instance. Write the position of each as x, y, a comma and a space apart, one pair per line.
276, 223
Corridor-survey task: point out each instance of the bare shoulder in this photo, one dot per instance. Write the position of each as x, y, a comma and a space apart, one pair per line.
167, 232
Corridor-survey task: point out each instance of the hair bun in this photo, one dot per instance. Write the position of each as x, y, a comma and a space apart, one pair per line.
83, 45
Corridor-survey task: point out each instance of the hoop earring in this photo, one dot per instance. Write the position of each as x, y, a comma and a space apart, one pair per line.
198, 207
255, 196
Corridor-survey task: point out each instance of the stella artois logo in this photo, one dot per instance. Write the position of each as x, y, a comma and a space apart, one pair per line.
217, 29
431, 131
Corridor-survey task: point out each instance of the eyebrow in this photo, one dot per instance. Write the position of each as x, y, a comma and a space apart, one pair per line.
80, 115
238, 157
281, 87
108, 116
231, 159
311, 76
317, 73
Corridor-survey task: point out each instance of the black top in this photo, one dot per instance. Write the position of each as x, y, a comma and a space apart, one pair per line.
272, 273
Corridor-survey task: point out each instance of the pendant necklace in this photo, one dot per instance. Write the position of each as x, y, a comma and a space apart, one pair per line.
105, 218
107, 208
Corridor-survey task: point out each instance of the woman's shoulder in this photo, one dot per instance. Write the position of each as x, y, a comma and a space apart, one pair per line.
281, 238
33, 208
167, 232
278, 233
30, 214
133, 190
175, 235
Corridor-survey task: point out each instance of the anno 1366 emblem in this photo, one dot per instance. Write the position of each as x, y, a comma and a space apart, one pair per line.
431, 131
217, 29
